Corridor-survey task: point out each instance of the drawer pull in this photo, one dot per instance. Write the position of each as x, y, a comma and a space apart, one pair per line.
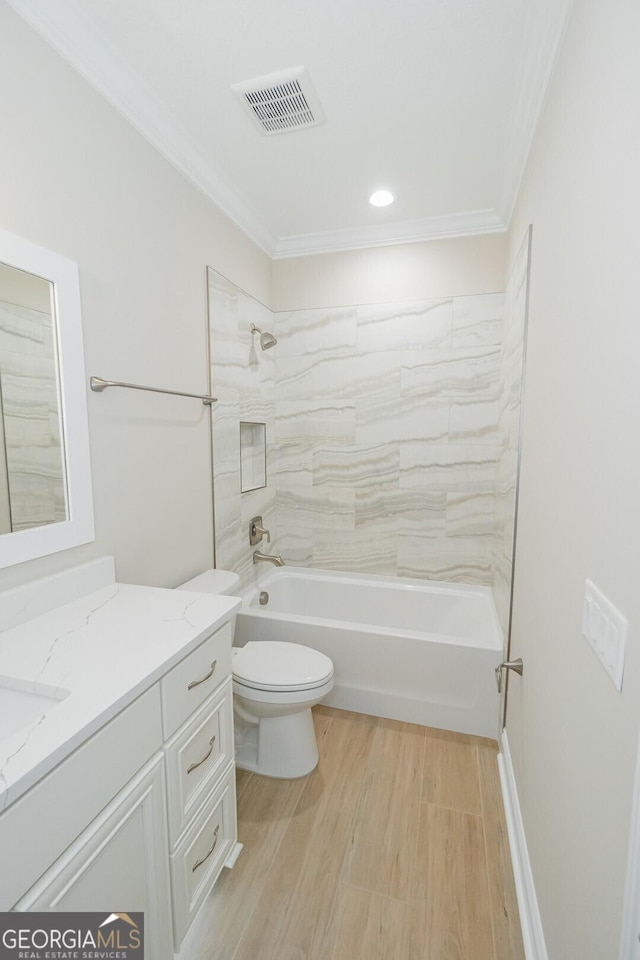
194, 766
196, 683
199, 863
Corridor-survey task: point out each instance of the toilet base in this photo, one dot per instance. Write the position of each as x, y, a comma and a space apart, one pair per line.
282, 747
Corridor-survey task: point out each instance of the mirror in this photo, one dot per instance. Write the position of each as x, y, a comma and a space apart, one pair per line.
32, 481
46, 502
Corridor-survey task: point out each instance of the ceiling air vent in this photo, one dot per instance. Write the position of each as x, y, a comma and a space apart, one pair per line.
280, 102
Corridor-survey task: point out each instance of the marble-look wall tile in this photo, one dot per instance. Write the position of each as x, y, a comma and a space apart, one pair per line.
406, 415
459, 468
462, 559
330, 508
297, 546
454, 372
405, 326
259, 409
315, 420
304, 332
384, 422
470, 514
401, 511
478, 320
392, 418
356, 553
294, 463
346, 376
357, 465
474, 420
242, 377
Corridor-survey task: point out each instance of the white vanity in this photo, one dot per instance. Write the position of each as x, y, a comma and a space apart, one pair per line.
117, 789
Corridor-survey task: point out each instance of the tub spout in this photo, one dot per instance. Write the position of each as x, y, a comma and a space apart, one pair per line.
277, 560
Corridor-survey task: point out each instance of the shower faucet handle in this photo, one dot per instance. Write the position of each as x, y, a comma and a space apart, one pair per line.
257, 531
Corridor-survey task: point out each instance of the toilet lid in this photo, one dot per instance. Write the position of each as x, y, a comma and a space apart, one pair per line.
275, 665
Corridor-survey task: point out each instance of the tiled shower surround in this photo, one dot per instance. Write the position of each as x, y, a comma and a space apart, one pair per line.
386, 423
242, 378
391, 434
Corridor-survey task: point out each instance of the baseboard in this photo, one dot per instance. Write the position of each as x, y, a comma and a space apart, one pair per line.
530, 920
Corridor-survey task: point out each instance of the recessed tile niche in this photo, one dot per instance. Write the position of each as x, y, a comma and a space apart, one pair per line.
253, 456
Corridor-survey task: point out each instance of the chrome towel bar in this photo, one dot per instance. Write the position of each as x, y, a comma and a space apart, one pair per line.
98, 384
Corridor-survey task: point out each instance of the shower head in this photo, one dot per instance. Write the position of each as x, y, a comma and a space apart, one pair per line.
266, 339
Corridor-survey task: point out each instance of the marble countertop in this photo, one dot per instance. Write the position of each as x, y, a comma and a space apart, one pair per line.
98, 653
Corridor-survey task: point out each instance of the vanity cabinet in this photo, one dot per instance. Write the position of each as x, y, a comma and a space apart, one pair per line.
201, 800
142, 815
119, 862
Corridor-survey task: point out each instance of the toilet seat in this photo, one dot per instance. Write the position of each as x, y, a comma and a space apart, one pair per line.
273, 665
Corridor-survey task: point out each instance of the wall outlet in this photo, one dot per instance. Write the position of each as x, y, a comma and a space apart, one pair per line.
606, 630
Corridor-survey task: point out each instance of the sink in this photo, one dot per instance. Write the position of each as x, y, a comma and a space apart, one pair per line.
21, 703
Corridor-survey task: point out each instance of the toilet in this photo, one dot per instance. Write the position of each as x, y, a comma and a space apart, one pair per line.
275, 684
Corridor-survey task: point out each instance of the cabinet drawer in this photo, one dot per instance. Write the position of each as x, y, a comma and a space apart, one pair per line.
196, 756
200, 855
194, 679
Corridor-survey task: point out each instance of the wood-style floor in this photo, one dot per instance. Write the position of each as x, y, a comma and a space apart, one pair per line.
394, 848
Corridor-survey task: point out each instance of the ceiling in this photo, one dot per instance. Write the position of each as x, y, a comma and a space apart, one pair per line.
437, 100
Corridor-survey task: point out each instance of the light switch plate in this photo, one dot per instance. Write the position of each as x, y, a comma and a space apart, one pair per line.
606, 630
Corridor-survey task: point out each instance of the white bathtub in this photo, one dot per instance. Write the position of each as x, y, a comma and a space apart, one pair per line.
414, 650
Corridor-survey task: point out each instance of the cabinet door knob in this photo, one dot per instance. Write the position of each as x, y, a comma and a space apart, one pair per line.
196, 683
199, 863
194, 766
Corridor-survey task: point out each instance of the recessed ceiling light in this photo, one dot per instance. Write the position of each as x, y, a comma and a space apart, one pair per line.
381, 198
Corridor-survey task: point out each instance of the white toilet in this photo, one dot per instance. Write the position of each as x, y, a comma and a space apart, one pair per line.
275, 684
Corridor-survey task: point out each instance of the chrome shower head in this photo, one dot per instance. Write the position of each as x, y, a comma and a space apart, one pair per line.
267, 339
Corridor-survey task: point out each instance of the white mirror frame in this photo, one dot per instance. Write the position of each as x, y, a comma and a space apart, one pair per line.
79, 527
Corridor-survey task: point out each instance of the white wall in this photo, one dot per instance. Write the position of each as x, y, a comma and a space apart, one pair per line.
573, 736
413, 271
77, 178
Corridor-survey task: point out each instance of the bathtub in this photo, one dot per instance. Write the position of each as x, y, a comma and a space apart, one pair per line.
414, 650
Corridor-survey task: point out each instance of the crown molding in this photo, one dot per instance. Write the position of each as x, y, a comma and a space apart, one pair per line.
66, 27
536, 71
469, 224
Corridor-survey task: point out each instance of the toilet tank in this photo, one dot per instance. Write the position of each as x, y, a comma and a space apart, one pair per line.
213, 581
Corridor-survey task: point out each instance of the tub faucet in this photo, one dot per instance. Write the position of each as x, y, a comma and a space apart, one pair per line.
277, 560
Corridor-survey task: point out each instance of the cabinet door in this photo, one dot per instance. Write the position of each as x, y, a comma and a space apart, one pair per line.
119, 864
